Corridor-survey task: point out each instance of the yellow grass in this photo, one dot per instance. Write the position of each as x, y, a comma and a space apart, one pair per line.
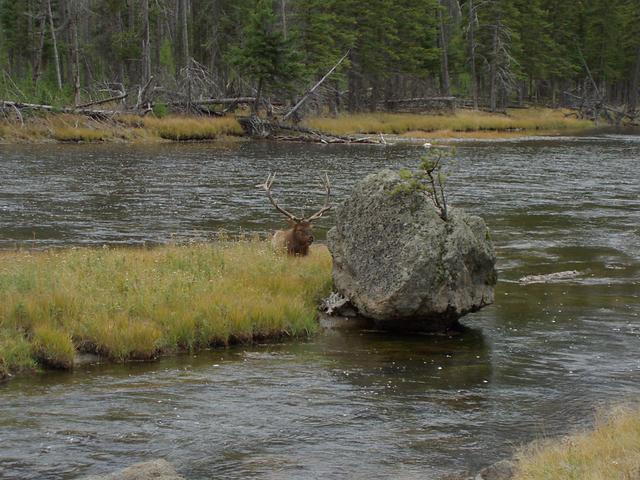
520, 120
184, 128
125, 128
73, 134
133, 303
611, 451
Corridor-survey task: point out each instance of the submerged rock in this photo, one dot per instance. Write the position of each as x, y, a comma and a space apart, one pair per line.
502, 470
549, 277
400, 264
152, 470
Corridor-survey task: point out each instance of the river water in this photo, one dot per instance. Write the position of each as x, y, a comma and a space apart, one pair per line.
343, 404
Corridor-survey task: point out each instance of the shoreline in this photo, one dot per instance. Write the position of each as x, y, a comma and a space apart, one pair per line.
65, 128
130, 303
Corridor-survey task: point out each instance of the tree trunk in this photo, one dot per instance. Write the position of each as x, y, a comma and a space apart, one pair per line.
283, 9
73, 17
75, 51
38, 56
256, 104
472, 52
446, 89
493, 88
184, 26
56, 55
635, 83
146, 44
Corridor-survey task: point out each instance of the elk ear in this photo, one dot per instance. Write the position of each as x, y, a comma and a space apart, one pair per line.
292, 223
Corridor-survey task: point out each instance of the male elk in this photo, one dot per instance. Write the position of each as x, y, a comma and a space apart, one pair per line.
297, 239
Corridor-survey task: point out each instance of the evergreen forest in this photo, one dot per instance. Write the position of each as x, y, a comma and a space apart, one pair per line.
490, 53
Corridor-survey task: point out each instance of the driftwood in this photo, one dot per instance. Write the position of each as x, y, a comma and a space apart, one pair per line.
93, 113
274, 130
219, 101
106, 100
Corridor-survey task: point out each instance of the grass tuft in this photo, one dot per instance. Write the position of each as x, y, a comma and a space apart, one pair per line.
133, 303
73, 134
183, 128
610, 451
53, 347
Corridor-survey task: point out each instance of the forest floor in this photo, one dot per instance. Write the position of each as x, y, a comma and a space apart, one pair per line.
462, 124
138, 303
467, 124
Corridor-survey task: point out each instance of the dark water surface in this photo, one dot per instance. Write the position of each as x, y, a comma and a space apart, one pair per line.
342, 405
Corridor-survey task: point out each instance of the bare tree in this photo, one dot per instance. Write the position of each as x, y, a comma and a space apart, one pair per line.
146, 43
73, 25
56, 55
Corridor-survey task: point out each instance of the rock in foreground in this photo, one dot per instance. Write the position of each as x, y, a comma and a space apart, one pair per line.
403, 266
152, 470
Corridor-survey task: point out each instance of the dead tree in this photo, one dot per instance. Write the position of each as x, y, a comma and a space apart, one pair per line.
54, 42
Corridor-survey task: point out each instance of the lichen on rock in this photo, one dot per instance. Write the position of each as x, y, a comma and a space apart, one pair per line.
400, 264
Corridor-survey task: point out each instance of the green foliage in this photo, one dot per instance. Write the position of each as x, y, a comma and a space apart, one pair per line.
429, 178
167, 62
160, 110
265, 55
396, 47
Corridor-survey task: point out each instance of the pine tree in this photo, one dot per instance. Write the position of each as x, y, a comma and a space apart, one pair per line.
265, 56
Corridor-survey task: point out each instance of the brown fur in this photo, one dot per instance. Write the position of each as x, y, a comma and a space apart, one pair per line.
296, 240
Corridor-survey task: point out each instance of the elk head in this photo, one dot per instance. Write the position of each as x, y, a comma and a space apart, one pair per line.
297, 239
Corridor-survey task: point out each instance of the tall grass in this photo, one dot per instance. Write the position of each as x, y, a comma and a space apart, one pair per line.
137, 303
527, 120
184, 128
610, 451
37, 127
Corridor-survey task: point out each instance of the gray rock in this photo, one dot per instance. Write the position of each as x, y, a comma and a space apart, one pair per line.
400, 264
152, 470
502, 470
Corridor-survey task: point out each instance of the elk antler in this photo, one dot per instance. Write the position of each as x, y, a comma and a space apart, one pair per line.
267, 188
327, 187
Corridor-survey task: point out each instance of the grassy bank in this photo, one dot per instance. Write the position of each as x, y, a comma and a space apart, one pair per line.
610, 451
463, 123
61, 127
58, 127
134, 303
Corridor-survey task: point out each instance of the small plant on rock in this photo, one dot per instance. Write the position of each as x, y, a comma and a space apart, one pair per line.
429, 178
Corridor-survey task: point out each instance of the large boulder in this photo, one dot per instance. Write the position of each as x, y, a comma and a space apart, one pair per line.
400, 264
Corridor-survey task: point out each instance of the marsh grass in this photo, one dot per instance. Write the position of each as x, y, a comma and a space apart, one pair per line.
60, 127
135, 303
520, 120
184, 128
610, 451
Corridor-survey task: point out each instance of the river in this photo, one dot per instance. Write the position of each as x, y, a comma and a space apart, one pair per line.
356, 405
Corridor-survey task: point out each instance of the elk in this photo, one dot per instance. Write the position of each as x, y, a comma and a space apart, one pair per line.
297, 239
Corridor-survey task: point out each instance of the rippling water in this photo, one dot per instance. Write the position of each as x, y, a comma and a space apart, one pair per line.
342, 405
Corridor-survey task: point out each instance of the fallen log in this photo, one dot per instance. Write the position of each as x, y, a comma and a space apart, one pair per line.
106, 100
214, 101
95, 113
258, 127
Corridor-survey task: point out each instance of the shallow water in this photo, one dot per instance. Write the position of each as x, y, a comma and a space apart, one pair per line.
342, 405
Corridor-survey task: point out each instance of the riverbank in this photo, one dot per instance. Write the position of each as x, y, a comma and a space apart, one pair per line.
611, 450
462, 124
71, 128
137, 303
